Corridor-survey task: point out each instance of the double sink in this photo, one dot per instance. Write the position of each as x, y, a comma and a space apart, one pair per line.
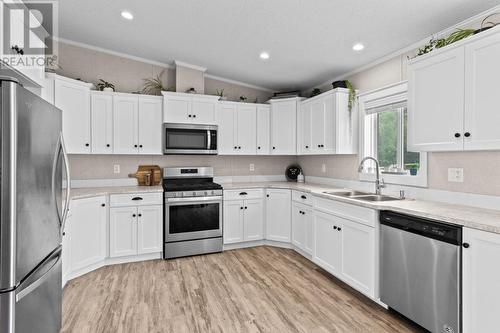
363, 196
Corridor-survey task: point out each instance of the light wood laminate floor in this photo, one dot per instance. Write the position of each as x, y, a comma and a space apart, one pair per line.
261, 289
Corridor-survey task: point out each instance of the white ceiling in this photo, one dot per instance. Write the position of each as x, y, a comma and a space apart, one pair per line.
309, 41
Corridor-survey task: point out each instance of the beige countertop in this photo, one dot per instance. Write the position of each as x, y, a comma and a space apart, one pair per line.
88, 192
472, 217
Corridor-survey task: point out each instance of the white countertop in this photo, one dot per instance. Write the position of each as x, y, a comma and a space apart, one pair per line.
472, 217
88, 192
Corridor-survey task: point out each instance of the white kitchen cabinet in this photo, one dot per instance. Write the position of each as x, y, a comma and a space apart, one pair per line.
149, 229
253, 220
436, 101
101, 106
327, 247
482, 68
246, 129
481, 274
233, 221
284, 126
278, 215
226, 132
150, 125
327, 126
188, 108
243, 219
302, 227
135, 230
125, 129
86, 233
263, 129
122, 231
73, 98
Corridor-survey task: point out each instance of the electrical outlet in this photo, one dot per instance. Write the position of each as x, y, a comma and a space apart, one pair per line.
116, 168
456, 175
252, 167
323, 167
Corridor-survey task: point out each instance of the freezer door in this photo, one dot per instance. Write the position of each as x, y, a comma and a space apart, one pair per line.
30, 132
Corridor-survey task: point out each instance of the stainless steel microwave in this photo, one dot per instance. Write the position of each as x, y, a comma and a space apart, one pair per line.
189, 139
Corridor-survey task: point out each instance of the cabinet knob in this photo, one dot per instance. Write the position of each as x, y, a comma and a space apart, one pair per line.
466, 245
274, 147
235, 147
239, 147
86, 145
466, 134
303, 197
135, 146
108, 145
140, 215
194, 116
457, 135
103, 205
189, 116
140, 146
339, 228
133, 215
319, 146
335, 227
258, 147
307, 147
246, 207
64, 233
241, 207
267, 195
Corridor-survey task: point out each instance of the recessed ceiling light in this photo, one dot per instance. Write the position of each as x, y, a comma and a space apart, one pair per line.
358, 47
127, 15
264, 55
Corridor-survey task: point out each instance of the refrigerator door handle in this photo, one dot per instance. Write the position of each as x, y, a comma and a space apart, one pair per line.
61, 148
52, 260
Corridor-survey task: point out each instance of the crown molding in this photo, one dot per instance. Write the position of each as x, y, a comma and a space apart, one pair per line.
191, 66
411, 47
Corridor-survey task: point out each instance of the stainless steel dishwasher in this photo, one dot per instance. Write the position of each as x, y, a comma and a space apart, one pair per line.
420, 263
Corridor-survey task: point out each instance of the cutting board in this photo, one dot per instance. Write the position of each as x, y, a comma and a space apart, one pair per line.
144, 170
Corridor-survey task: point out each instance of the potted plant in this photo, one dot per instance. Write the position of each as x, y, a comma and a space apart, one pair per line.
315, 92
352, 91
243, 98
413, 167
105, 86
154, 86
191, 91
220, 93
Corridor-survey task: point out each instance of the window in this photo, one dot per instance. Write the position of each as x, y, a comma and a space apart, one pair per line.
384, 122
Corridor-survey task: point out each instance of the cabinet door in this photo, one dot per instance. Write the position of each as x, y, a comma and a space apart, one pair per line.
203, 110
327, 244
176, 109
247, 129
481, 274
122, 231
436, 102
102, 123
298, 226
74, 101
318, 125
305, 129
66, 250
233, 221
150, 126
253, 220
88, 232
308, 220
283, 127
358, 255
263, 129
278, 215
482, 115
149, 229
226, 117
125, 129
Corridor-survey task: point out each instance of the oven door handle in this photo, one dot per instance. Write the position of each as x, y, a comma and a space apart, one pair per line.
194, 200
209, 139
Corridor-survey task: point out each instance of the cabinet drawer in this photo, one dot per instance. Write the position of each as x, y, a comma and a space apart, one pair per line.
243, 194
135, 199
302, 197
351, 212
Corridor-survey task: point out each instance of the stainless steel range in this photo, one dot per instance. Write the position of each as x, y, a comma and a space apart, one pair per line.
193, 212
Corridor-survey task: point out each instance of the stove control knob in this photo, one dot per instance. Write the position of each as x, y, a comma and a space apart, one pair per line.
206, 193
194, 193
213, 192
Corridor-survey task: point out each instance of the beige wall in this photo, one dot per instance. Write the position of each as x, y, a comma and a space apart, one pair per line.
187, 78
233, 92
101, 166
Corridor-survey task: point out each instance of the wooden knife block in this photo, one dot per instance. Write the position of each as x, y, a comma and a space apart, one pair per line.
144, 170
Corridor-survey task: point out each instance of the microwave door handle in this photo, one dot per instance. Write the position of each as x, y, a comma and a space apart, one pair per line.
209, 139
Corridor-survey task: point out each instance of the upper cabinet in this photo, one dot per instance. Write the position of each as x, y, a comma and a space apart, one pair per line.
284, 126
326, 125
101, 106
237, 128
189, 108
452, 96
263, 129
73, 98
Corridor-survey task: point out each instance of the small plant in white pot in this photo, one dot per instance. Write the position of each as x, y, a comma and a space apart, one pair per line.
105, 86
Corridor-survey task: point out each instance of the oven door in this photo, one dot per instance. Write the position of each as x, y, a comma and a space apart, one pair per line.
192, 218
190, 139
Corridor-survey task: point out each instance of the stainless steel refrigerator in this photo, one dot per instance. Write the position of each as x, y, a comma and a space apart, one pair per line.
31, 210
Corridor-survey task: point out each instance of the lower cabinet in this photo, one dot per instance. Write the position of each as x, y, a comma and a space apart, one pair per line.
243, 220
84, 239
278, 215
481, 277
346, 249
302, 227
135, 230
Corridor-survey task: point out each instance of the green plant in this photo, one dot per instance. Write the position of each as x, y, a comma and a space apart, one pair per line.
352, 94
315, 92
436, 43
220, 93
104, 84
412, 166
243, 98
154, 86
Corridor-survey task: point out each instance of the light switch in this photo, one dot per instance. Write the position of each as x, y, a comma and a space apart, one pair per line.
116, 168
456, 175
252, 167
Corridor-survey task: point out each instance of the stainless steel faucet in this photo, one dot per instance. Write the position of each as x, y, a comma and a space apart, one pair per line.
379, 183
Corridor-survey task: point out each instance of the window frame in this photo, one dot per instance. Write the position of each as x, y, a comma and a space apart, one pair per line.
391, 94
